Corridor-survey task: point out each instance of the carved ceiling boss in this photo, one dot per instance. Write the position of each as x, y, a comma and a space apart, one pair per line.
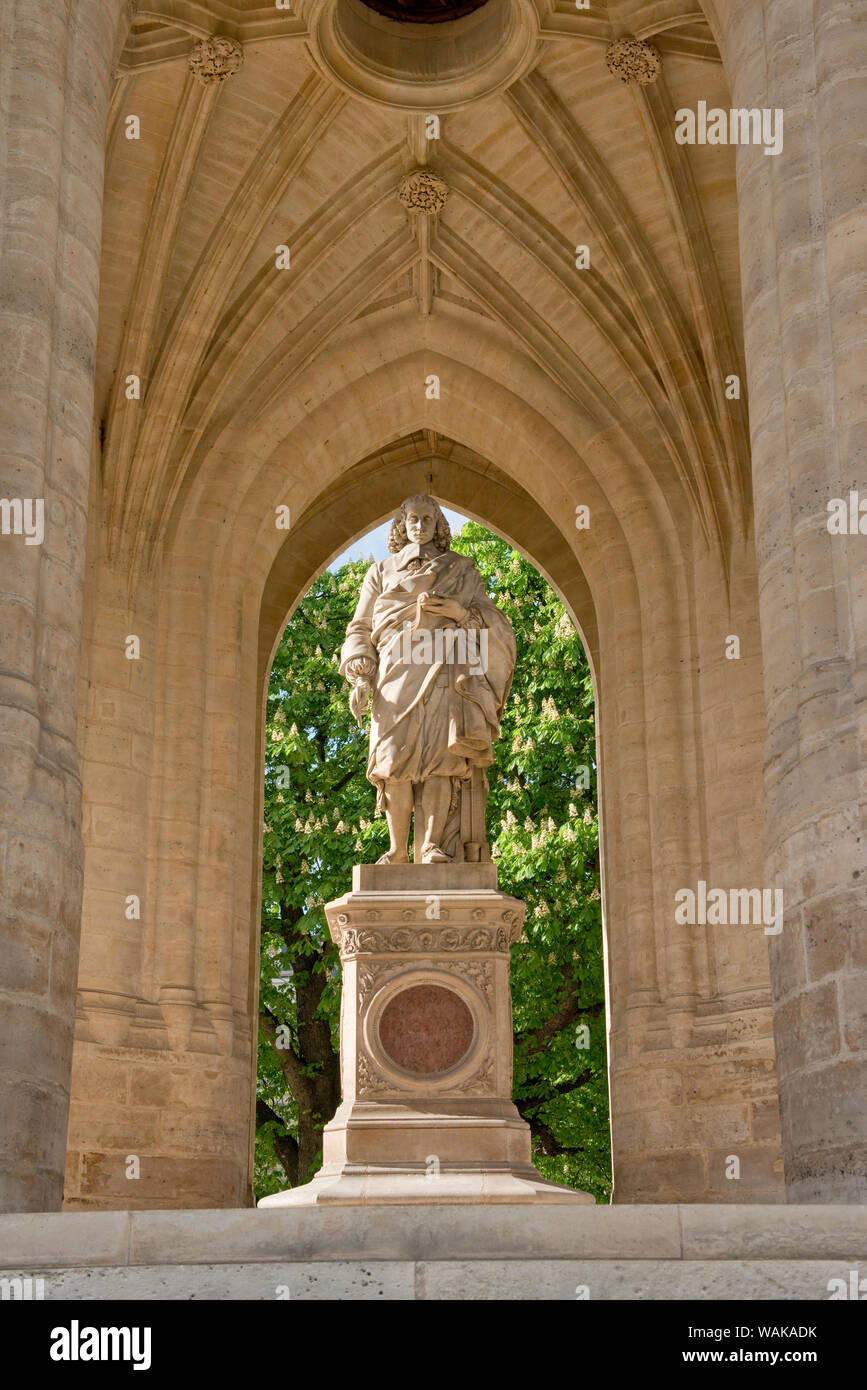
433, 657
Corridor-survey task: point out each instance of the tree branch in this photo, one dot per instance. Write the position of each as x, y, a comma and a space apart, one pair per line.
290, 1063
265, 1115
569, 1011
290, 920
565, 1089
338, 786
548, 1142
285, 1147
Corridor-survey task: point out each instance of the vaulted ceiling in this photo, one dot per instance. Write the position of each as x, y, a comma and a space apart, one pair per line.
279, 154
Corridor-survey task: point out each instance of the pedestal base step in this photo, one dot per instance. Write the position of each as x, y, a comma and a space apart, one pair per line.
379, 1185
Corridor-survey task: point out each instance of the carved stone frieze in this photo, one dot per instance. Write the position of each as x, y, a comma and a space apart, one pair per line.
358, 941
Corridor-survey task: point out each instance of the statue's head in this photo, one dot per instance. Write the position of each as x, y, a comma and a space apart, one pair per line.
420, 519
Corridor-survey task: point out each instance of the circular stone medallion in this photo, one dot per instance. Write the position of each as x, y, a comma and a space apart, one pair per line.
425, 56
426, 1029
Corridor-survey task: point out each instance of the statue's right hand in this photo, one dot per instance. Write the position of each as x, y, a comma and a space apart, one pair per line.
359, 700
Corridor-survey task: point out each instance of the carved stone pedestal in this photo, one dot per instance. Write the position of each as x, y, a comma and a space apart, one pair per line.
426, 1045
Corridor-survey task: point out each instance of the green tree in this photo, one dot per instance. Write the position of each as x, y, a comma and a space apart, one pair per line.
543, 828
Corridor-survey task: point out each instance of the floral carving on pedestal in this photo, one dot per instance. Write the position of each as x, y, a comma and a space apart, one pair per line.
481, 1082
369, 1079
633, 60
423, 191
366, 979
478, 972
216, 58
372, 974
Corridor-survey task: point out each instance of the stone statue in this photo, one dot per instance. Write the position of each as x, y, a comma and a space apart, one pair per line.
433, 657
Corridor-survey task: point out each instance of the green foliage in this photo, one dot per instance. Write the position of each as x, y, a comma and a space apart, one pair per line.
544, 833
319, 821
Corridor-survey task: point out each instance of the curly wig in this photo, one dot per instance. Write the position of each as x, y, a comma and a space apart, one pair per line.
397, 537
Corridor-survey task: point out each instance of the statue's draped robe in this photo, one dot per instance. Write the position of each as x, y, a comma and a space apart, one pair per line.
436, 719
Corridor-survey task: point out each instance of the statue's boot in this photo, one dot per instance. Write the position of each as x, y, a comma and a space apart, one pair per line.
432, 854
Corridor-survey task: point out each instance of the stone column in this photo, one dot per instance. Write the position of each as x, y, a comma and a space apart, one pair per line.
802, 241
55, 72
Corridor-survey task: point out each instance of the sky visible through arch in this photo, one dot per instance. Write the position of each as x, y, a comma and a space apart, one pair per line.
375, 543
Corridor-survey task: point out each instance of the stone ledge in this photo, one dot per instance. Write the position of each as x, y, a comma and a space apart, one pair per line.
465, 1280
653, 1233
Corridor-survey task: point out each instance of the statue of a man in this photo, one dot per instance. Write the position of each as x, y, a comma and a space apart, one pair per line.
437, 656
